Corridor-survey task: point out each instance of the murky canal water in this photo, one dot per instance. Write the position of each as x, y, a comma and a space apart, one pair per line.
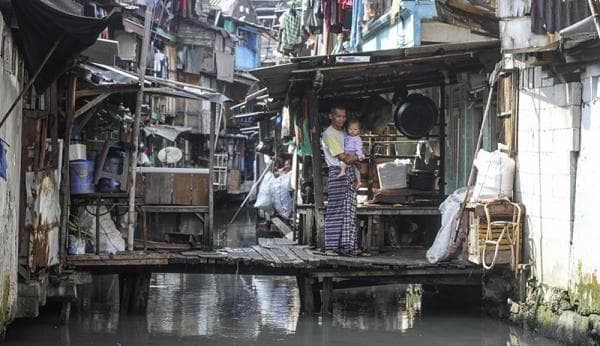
189, 309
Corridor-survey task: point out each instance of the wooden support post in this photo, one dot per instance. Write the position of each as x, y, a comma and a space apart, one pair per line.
442, 171
136, 126
66, 177
315, 131
208, 236
296, 164
327, 296
97, 218
309, 294
145, 229
309, 225
133, 292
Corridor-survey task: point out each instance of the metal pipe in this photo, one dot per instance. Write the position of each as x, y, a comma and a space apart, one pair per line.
136, 124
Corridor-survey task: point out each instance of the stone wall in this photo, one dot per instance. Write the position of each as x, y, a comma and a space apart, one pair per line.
10, 65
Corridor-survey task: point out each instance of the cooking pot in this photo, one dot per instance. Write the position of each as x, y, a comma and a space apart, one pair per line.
415, 116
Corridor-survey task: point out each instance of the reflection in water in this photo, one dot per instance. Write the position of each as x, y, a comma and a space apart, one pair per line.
207, 305
186, 309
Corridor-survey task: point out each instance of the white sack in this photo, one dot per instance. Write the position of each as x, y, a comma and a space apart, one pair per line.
263, 198
281, 196
111, 240
495, 176
449, 209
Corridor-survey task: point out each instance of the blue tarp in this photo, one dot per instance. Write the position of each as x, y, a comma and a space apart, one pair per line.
3, 161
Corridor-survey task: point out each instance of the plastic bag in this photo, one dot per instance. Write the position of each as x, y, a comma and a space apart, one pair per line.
263, 198
449, 208
393, 175
111, 240
281, 196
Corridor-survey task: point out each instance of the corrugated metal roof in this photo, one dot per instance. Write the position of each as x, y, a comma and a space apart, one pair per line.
385, 70
550, 16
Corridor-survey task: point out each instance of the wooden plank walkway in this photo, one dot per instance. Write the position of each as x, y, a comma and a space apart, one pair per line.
283, 257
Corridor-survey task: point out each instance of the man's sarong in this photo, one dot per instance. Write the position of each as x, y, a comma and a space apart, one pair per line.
340, 217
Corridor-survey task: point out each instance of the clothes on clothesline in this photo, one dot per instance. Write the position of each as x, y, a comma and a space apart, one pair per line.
312, 16
356, 28
290, 29
161, 65
338, 15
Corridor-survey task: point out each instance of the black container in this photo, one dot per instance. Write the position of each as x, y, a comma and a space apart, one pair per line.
415, 116
421, 180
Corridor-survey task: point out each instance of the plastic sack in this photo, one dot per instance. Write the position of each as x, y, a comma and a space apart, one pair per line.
263, 198
495, 175
280, 195
111, 240
449, 208
76, 245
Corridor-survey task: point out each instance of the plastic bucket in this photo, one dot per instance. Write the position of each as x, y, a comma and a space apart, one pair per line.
81, 174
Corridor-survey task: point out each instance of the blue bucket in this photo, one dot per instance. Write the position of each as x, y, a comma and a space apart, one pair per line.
81, 173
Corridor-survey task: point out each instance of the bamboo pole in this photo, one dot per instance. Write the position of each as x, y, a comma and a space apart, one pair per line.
136, 124
31, 81
493, 79
250, 192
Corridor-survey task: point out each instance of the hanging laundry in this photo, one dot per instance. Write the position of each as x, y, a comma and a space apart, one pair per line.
3, 160
290, 36
160, 65
356, 29
312, 16
331, 12
395, 10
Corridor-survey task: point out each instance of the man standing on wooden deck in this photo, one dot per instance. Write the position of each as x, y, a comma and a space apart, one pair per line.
340, 218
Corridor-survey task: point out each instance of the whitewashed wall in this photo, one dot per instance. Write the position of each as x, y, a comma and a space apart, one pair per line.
557, 179
9, 189
585, 258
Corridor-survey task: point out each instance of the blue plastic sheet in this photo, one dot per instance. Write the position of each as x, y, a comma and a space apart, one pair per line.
3, 161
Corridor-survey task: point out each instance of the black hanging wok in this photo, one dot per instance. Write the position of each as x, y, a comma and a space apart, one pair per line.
415, 116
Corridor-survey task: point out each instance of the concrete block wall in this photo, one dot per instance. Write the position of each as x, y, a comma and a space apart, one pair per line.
548, 147
585, 255
9, 188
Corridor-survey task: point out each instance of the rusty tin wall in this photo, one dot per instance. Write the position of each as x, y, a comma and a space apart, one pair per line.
42, 218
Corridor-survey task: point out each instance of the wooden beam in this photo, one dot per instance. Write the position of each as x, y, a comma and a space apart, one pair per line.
88, 116
351, 67
91, 104
102, 90
315, 135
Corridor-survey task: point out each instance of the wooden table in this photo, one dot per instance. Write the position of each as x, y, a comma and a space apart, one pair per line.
373, 238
